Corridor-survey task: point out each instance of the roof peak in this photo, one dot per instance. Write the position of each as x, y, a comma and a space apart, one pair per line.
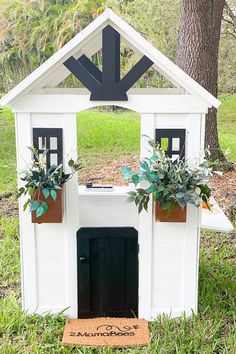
88, 41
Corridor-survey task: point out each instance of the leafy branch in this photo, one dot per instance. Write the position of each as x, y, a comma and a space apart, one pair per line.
40, 180
170, 182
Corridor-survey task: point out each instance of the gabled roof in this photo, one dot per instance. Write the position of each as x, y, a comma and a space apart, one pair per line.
88, 42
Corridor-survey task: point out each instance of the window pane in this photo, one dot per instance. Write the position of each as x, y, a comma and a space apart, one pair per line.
41, 143
174, 157
53, 143
164, 143
175, 144
53, 159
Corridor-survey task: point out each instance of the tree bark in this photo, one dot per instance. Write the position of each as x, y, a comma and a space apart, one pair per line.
197, 54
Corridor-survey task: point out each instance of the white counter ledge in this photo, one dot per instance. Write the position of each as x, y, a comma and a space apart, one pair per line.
117, 190
215, 220
211, 221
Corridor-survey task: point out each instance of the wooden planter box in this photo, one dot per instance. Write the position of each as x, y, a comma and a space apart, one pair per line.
54, 213
178, 214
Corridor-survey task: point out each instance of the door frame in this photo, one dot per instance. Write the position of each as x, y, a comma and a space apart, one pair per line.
145, 228
129, 232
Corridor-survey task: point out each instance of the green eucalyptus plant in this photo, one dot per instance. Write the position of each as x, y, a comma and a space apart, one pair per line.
39, 178
171, 183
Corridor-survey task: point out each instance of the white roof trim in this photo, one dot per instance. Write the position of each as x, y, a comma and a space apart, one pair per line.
166, 66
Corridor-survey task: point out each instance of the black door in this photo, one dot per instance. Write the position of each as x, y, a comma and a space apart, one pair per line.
107, 272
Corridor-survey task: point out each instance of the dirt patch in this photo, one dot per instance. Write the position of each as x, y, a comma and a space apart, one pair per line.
108, 171
9, 206
225, 192
9, 288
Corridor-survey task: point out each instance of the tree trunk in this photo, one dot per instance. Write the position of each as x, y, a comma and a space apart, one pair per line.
197, 55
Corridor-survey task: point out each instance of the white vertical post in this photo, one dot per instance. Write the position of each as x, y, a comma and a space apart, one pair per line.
27, 229
203, 123
145, 229
191, 261
71, 213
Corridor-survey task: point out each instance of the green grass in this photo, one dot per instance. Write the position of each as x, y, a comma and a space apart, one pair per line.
104, 136
7, 151
105, 133
10, 255
227, 124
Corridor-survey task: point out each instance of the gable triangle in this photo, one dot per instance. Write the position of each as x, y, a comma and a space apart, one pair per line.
88, 42
107, 85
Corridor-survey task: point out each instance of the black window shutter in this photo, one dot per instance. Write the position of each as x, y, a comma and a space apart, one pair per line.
51, 139
174, 142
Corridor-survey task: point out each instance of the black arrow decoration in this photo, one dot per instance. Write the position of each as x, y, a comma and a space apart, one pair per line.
107, 85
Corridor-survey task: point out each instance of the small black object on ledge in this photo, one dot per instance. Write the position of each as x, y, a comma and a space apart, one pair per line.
97, 187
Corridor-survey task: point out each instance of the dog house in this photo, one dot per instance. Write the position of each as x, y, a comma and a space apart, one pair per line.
104, 258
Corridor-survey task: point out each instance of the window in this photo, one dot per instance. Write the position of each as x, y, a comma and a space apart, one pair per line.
172, 141
51, 139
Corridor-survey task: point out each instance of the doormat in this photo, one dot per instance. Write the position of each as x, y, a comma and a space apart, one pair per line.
106, 331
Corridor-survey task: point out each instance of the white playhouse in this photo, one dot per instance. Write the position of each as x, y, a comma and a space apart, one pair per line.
105, 259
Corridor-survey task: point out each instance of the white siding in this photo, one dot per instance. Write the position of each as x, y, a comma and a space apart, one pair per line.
107, 211
51, 267
175, 245
168, 267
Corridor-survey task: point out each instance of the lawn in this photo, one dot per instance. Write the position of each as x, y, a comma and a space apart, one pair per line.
227, 124
112, 136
